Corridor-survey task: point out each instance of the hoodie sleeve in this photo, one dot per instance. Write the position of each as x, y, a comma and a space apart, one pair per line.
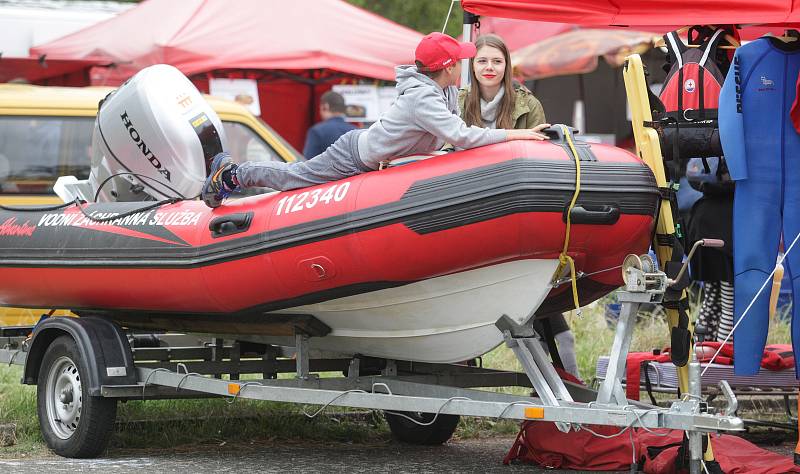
432, 114
731, 124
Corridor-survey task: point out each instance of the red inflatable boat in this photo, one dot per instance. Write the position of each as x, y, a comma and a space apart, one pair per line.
412, 262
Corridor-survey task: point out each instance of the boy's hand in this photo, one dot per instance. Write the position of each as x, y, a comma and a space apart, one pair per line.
529, 134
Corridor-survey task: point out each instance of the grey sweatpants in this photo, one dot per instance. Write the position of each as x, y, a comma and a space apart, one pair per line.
566, 350
339, 161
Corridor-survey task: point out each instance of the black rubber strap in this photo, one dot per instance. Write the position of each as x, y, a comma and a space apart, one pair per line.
647, 385
550, 339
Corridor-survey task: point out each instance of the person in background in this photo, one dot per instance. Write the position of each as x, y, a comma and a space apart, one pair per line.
564, 338
421, 120
494, 99
332, 126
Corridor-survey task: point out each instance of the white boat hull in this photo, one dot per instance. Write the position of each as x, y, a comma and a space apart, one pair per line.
445, 319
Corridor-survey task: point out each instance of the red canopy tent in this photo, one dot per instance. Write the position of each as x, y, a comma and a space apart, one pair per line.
641, 13
295, 50
517, 34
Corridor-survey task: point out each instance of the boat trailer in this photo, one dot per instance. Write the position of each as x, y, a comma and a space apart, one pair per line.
422, 401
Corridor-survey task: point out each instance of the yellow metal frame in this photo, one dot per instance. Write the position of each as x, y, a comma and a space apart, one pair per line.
648, 148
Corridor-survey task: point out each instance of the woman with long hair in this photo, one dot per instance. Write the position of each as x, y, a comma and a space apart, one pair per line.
494, 99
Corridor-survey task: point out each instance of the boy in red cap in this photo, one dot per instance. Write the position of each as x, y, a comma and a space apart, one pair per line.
423, 117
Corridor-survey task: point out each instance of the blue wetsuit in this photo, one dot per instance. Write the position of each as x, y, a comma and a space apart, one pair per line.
762, 151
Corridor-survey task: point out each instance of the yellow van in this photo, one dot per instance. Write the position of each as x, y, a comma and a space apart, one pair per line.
46, 132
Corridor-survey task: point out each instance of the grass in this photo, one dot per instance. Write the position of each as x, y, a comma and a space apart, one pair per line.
170, 423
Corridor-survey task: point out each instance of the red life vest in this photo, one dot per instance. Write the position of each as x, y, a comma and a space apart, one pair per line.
692, 86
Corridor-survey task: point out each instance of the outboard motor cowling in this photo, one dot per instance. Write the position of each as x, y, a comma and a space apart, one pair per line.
153, 138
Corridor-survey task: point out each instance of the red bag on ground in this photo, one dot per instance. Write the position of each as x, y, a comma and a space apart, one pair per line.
733, 454
542, 444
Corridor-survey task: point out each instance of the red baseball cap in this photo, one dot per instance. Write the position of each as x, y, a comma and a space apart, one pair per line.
437, 51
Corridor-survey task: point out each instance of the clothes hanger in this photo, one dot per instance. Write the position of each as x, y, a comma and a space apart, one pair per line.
733, 43
789, 36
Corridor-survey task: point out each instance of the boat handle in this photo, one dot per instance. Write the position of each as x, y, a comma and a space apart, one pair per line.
230, 224
600, 215
556, 133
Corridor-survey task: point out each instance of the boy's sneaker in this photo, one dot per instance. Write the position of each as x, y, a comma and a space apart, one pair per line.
221, 180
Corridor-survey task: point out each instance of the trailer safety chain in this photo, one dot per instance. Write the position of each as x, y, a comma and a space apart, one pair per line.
564, 259
147, 379
521, 402
629, 425
629, 429
185, 371
323, 407
241, 389
438, 412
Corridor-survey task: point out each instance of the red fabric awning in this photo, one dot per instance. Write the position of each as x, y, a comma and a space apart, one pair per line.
34, 69
642, 13
517, 34
205, 35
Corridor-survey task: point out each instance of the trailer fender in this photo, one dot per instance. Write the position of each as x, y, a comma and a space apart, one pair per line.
102, 345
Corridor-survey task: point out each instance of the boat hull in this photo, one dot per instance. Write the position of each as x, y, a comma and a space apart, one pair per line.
413, 262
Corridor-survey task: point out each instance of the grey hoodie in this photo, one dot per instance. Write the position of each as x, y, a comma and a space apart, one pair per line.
423, 117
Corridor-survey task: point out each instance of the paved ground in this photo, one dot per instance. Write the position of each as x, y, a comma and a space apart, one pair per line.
462, 456
483, 455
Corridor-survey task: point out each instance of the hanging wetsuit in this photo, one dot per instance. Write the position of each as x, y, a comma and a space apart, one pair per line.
762, 150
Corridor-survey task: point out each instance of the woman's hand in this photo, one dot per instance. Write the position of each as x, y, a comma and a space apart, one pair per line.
534, 133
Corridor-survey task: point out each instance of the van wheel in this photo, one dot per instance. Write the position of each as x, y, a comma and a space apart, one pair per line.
406, 431
73, 424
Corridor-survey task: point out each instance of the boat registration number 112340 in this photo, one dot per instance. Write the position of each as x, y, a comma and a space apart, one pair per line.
309, 199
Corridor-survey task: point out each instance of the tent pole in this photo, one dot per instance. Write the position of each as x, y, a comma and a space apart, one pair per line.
466, 35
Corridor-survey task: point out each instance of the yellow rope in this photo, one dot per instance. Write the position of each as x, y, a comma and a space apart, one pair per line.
565, 259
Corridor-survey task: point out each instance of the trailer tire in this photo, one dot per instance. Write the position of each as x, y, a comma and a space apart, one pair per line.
406, 431
73, 423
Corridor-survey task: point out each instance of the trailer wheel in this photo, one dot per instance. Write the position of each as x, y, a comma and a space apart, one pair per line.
407, 431
73, 424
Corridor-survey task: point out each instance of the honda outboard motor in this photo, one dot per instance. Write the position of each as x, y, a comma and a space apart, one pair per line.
153, 139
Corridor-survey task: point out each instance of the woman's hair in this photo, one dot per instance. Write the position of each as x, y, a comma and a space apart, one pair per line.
472, 103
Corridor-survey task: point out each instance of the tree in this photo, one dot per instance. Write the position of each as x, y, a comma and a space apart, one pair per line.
424, 16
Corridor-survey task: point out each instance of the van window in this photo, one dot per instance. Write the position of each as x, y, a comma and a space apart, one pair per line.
35, 151
245, 145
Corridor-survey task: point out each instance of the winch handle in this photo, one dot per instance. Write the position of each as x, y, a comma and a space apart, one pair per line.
711, 243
